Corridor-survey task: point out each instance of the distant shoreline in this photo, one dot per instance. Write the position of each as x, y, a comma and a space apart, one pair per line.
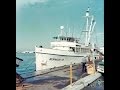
26, 52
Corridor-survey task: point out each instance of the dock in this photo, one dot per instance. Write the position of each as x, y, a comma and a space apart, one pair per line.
59, 79
83, 82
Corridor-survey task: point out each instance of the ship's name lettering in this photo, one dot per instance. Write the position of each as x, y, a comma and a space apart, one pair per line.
56, 59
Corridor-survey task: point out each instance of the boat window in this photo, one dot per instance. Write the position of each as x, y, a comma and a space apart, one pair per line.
67, 39
95, 57
77, 49
73, 49
40, 46
64, 38
101, 63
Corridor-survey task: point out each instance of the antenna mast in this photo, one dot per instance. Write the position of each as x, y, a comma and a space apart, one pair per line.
87, 16
92, 25
69, 32
89, 29
61, 27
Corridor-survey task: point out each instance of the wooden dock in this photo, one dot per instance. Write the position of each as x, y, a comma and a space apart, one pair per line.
56, 78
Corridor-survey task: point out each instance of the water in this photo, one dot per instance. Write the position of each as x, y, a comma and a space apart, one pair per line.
96, 85
28, 63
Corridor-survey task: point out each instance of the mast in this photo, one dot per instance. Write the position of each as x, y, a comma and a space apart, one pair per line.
69, 32
89, 29
61, 27
87, 17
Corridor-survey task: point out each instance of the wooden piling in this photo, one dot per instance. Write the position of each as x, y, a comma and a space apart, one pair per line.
70, 74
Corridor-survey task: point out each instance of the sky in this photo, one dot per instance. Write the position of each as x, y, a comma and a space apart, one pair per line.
37, 21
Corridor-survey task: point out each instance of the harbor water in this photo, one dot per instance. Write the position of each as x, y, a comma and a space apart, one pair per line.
28, 63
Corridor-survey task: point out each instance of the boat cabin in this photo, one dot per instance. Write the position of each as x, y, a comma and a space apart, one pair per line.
68, 39
69, 43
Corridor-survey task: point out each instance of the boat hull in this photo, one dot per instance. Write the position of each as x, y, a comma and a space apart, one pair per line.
50, 58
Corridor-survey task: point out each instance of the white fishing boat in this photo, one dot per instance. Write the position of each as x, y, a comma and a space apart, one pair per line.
66, 50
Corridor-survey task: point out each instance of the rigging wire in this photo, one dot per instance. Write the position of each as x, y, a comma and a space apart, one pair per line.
27, 67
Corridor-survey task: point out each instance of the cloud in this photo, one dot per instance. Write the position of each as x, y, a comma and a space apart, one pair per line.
21, 3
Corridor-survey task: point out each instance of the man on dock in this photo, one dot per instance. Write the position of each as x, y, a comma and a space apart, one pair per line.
84, 60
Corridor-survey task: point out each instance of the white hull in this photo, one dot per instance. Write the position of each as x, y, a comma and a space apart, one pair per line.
50, 58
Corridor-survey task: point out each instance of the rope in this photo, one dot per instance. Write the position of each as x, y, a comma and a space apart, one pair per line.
28, 67
96, 37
